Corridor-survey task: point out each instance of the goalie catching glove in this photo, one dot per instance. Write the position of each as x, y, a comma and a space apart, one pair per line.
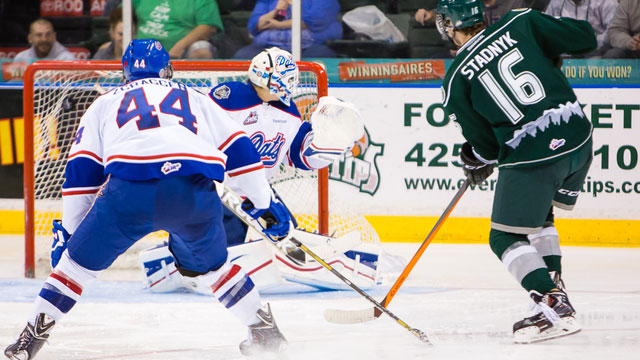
474, 169
336, 126
59, 245
274, 221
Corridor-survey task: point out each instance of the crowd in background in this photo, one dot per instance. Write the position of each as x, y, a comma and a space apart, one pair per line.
193, 29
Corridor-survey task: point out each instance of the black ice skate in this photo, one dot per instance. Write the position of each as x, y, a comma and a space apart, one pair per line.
31, 339
263, 336
555, 318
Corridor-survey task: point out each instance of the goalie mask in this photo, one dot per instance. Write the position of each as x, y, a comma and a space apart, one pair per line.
275, 70
146, 58
457, 14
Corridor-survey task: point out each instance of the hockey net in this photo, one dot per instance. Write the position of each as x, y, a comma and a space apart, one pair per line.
58, 93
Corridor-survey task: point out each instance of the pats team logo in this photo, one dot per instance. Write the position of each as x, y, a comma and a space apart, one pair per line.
222, 92
168, 167
358, 167
268, 149
285, 61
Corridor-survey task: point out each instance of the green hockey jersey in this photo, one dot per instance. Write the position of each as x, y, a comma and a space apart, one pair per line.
513, 104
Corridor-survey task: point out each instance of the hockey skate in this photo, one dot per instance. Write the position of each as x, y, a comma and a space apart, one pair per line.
264, 336
555, 276
555, 317
31, 339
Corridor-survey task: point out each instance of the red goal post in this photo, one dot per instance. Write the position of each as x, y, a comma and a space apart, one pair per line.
79, 75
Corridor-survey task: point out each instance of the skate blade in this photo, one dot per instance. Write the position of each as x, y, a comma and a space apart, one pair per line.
566, 326
259, 352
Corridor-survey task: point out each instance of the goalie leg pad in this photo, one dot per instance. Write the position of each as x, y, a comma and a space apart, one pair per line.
160, 270
358, 265
235, 290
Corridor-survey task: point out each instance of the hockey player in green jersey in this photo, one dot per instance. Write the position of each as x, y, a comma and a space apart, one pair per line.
518, 112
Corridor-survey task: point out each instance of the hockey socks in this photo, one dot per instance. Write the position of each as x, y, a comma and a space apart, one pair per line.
522, 260
62, 289
547, 244
235, 290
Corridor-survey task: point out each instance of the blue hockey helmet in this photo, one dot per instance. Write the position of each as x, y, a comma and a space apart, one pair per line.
146, 58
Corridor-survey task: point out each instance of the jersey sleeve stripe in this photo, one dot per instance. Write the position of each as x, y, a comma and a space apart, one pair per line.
86, 154
80, 191
230, 140
245, 169
330, 150
83, 173
296, 156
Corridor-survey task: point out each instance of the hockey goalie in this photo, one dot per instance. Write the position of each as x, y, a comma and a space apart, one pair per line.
270, 117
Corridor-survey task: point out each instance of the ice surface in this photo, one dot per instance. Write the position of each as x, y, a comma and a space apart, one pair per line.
460, 295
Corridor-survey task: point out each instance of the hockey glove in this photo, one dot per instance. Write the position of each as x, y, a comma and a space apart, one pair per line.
336, 126
275, 221
475, 170
557, 62
59, 245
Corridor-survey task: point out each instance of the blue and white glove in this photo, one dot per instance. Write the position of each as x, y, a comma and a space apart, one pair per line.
59, 245
275, 221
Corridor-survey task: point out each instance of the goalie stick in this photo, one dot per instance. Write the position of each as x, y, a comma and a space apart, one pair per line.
232, 201
357, 316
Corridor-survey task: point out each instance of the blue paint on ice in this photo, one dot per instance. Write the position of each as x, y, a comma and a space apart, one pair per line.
26, 290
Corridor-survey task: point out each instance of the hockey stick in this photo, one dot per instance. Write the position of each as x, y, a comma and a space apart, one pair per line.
232, 201
357, 316
326, 245
418, 333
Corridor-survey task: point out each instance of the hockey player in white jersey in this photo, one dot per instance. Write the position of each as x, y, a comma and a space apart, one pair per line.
143, 159
264, 107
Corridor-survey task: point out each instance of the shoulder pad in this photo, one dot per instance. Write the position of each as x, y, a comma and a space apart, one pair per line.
292, 109
234, 95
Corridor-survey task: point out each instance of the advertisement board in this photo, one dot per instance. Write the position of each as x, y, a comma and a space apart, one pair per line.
408, 168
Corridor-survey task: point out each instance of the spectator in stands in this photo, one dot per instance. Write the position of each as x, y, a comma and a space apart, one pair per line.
182, 26
112, 50
624, 31
270, 25
597, 12
42, 38
493, 10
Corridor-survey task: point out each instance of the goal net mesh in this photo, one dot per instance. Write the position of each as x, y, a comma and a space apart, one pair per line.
62, 96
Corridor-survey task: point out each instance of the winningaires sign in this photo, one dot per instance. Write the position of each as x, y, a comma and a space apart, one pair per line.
393, 71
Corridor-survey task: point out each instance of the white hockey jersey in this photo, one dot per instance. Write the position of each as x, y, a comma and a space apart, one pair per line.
151, 129
275, 129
